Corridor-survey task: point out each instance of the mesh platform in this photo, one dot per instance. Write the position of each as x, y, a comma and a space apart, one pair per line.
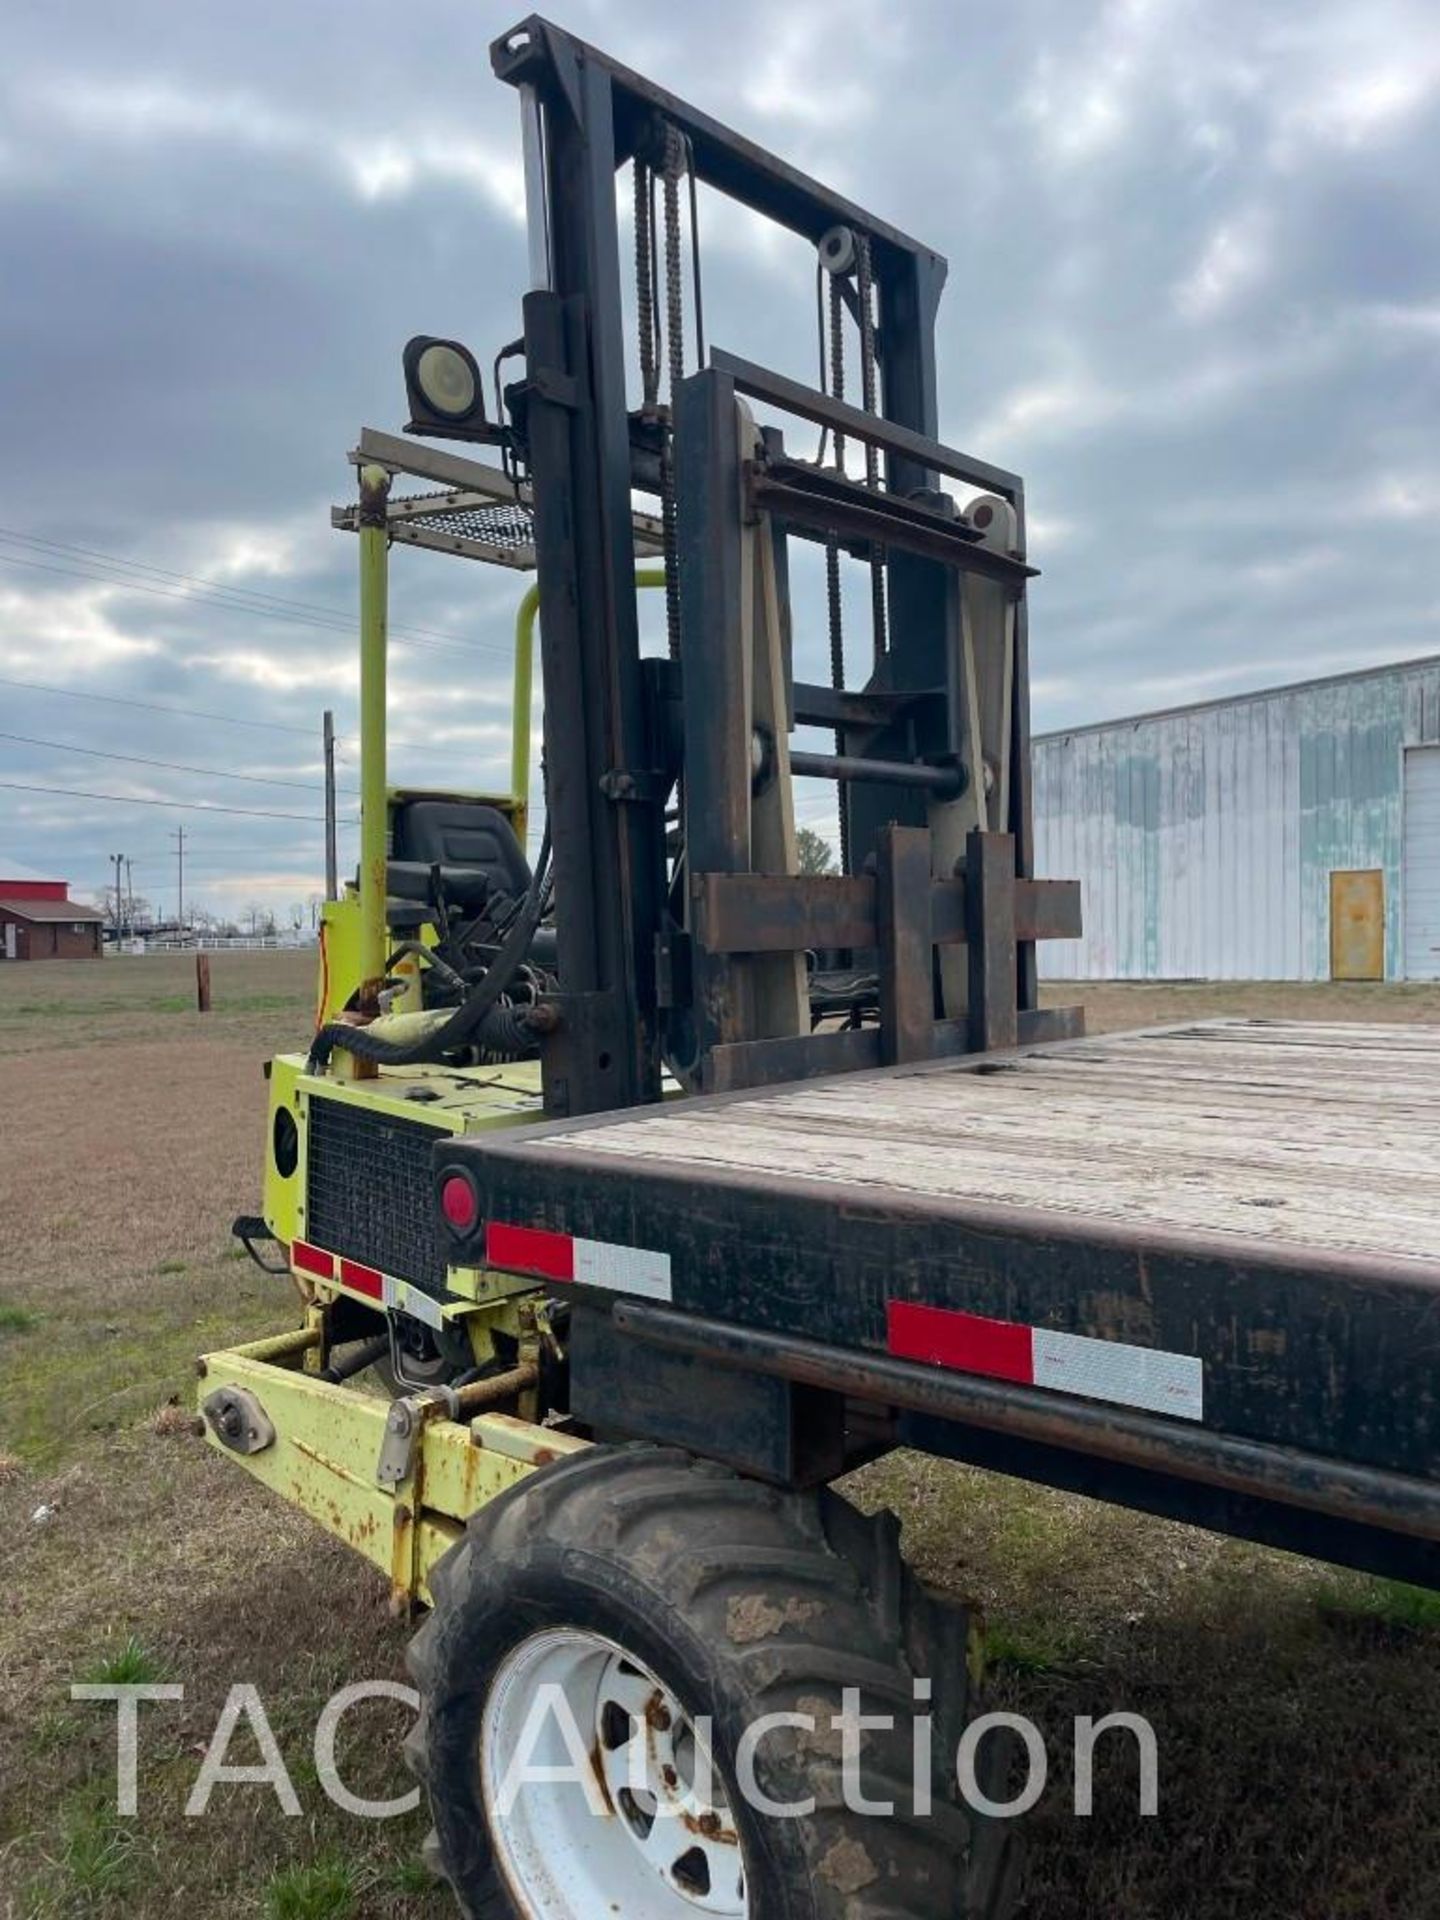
508, 524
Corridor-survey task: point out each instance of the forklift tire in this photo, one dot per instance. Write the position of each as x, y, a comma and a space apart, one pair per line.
671, 1605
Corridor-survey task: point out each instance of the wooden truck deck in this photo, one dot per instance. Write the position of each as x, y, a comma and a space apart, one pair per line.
1311, 1136
1210, 1251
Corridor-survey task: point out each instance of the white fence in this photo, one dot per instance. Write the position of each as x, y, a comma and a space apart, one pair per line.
218, 943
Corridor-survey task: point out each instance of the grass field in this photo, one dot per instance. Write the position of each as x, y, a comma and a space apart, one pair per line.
1298, 1709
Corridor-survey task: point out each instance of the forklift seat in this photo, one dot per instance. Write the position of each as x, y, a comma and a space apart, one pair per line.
473, 845
479, 857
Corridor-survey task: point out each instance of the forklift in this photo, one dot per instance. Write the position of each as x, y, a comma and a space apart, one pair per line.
660, 1184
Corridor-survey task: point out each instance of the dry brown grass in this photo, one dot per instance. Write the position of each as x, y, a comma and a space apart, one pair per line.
1298, 1710
1109, 1008
172, 1420
141, 1141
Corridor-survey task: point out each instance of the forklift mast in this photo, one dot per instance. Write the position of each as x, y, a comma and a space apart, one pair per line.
696, 944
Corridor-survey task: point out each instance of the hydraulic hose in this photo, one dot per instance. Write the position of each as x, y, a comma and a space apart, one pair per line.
496, 1030
464, 1027
427, 956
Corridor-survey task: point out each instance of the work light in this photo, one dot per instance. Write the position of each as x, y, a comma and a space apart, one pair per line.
442, 381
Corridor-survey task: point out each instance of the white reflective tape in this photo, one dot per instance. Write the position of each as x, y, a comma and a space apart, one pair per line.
406, 1299
599, 1263
1172, 1383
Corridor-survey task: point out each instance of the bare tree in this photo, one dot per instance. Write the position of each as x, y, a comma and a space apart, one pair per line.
138, 912
816, 854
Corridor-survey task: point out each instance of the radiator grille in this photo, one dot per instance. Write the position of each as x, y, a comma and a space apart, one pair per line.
370, 1192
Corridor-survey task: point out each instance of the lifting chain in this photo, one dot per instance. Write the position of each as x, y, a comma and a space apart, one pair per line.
676, 160
865, 282
837, 360
645, 287
833, 600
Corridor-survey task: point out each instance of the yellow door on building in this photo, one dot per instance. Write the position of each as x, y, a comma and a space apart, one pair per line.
1357, 925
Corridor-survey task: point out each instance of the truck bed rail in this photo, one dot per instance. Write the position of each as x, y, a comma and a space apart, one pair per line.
1206, 1254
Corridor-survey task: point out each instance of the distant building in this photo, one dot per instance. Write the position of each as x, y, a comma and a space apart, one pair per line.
39, 920
1287, 835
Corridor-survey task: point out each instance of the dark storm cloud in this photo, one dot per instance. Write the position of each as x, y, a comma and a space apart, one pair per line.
1194, 297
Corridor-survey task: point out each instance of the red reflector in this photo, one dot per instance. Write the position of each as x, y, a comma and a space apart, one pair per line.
312, 1259
530, 1250
459, 1203
364, 1280
968, 1341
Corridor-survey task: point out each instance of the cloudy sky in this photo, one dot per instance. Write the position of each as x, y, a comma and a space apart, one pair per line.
1194, 297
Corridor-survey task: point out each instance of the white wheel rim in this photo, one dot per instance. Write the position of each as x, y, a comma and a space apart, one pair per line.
599, 1790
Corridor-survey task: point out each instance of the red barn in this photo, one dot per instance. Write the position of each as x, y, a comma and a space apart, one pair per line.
39, 920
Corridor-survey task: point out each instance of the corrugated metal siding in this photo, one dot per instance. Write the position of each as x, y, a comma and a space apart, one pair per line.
1205, 839
1422, 863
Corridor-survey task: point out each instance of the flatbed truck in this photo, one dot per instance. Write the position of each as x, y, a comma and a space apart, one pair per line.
658, 1185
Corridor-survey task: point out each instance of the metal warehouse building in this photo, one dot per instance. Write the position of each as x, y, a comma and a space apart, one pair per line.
1286, 835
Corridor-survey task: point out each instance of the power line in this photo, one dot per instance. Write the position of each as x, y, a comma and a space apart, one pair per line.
170, 573
152, 870
216, 855
185, 806
173, 766
210, 586
99, 578
225, 599
222, 587
154, 706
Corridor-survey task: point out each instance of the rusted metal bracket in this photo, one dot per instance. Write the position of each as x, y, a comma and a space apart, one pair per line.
769, 913
907, 945
404, 1429
991, 936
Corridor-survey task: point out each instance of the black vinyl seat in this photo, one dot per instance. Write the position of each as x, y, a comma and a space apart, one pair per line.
479, 857
473, 845
408, 884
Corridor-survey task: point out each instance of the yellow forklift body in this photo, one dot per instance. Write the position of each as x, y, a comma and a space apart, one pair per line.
395, 1480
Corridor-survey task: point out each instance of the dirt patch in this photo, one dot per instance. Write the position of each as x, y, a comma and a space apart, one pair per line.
848, 1868
750, 1617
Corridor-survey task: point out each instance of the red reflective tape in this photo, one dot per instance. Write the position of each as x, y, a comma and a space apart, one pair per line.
530, 1250
312, 1259
366, 1280
968, 1342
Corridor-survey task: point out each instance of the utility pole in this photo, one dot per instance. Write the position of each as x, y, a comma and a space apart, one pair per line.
118, 862
332, 858
129, 897
179, 838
